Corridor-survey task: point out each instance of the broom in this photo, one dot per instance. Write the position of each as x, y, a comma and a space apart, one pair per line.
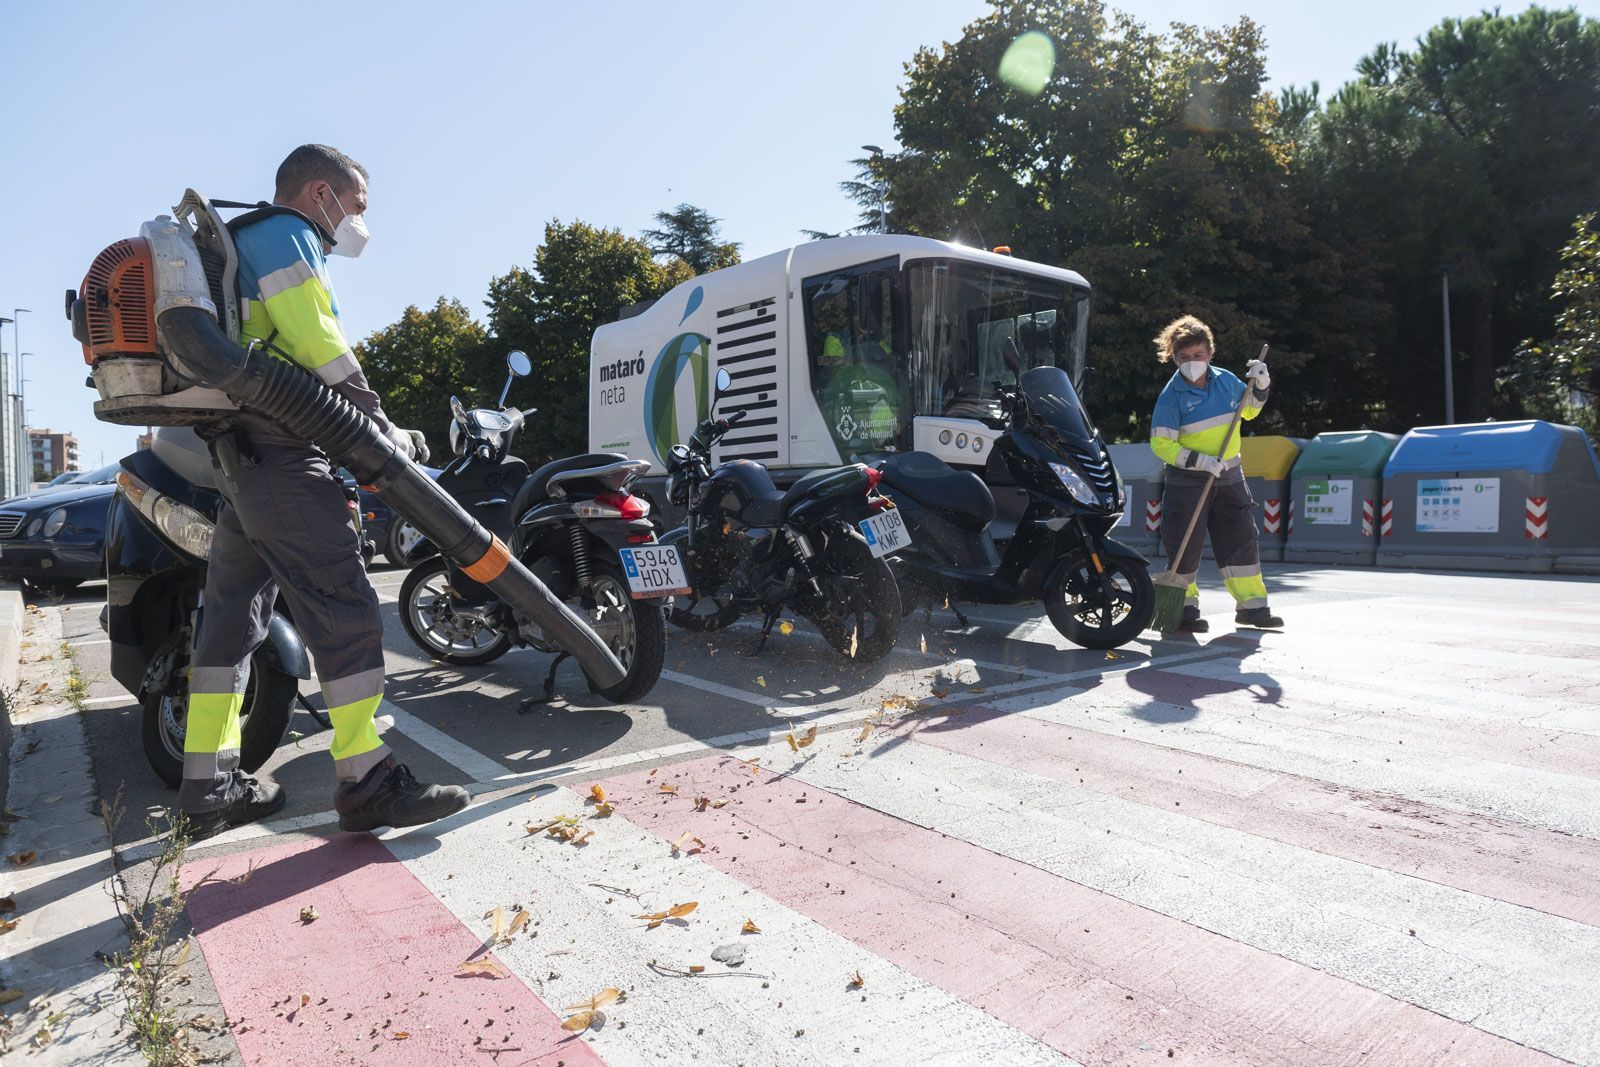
1170, 587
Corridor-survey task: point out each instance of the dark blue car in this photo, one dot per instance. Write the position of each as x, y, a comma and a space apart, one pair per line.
54, 539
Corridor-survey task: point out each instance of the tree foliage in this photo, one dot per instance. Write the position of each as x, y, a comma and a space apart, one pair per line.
690, 233
415, 363
1560, 380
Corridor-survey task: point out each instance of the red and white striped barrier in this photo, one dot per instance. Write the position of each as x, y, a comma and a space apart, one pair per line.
1291, 517
1272, 516
1152, 515
1366, 517
1387, 526
1536, 518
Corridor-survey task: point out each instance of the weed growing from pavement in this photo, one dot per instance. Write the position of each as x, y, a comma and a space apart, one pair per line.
77, 685
153, 963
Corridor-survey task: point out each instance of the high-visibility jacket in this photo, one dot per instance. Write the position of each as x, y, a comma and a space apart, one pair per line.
1190, 420
286, 302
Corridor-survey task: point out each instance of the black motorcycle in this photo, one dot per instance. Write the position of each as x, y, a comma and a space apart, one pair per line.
573, 523
1097, 591
158, 538
816, 548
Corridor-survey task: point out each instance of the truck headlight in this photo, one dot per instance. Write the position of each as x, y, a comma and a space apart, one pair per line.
1081, 490
187, 530
57, 519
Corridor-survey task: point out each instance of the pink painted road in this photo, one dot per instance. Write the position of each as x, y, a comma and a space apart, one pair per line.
1291, 849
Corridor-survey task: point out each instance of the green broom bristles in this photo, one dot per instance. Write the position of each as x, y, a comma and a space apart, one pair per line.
1169, 603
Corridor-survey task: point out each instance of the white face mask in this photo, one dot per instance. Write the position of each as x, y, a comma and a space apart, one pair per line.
1193, 369
350, 236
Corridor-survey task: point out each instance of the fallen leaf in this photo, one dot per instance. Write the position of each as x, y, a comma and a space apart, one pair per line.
8, 925
308, 914
793, 744
1112, 655
686, 836
855, 642
400, 1035
677, 911
22, 859
497, 926
519, 921
940, 694
579, 1022
665, 788
786, 627
749, 927
810, 736
598, 1001
484, 968
598, 793
583, 838
718, 803
42, 687
43, 1037
856, 981
601, 811
701, 803
8, 995
305, 998
761, 681
697, 968
922, 643
866, 731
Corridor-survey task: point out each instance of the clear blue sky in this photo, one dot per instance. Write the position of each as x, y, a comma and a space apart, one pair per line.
479, 121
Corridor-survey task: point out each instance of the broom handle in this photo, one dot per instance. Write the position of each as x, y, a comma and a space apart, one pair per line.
1205, 494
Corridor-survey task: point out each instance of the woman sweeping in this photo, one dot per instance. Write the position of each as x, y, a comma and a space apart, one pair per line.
1193, 415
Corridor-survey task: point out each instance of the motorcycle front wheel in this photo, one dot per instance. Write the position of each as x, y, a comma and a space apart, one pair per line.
263, 721
440, 625
1079, 608
859, 614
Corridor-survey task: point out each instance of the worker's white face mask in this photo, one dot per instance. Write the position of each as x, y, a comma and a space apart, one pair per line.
1193, 369
350, 236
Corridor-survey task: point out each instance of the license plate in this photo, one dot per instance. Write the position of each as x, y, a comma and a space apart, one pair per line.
654, 570
885, 532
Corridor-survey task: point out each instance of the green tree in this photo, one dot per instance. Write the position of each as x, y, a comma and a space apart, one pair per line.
690, 234
1560, 380
581, 278
415, 363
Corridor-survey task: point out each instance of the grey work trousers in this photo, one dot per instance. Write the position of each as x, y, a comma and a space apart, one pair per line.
1229, 523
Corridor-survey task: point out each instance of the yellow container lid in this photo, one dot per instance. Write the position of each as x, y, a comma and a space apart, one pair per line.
1268, 457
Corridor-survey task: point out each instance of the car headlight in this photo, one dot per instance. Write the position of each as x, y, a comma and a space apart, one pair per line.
1081, 490
57, 519
187, 529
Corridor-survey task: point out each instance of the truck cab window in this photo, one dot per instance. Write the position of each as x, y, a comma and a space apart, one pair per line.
856, 358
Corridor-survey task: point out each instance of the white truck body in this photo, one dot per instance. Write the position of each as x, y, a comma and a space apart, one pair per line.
854, 344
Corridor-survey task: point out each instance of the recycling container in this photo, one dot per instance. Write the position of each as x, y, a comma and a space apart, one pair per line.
1513, 496
1143, 476
1335, 491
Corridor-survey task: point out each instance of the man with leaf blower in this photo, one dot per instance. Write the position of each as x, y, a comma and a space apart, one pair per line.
1195, 431
286, 527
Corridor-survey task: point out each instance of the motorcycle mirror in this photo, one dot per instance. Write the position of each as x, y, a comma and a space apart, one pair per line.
724, 382
1012, 355
519, 363
457, 409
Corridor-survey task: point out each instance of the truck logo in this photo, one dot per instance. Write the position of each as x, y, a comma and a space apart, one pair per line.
690, 351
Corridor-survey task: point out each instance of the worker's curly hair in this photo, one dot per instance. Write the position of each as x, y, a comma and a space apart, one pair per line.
1181, 331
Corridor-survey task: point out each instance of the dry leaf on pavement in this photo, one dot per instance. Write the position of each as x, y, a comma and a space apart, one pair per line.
855, 640
484, 968
305, 998
8, 995
8, 925
518, 922
597, 793
677, 911
786, 627
687, 836
749, 927
497, 925
761, 681
589, 1012
308, 914
22, 859
856, 981
701, 803
400, 1035
601, 811
665, 788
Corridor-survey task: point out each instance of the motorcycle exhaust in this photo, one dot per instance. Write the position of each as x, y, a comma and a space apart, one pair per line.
309, 408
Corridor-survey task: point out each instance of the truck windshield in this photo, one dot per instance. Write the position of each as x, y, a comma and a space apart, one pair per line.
960, 315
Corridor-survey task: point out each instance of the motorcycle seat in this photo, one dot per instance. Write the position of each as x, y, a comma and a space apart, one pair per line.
537, 487
767, 510
959, 496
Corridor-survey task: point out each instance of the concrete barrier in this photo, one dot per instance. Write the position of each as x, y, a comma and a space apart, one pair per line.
1518, 496
1335, 492
1143, 476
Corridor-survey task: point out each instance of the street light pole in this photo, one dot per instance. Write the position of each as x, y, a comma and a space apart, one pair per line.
1449, 352
881, 186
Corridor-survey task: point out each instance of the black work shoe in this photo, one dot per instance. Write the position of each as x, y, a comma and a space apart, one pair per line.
1260, 618
256, 800
390, 796
1192, 622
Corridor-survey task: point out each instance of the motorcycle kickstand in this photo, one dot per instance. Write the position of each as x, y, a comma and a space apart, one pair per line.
766, 631
529, 703
321, 717
960, 618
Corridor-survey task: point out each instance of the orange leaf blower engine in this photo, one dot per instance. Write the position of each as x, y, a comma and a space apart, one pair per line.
113, 315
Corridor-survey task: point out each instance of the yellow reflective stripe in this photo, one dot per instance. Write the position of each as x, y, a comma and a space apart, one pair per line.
1165, 448
1249, 590
213, 722
354, 732
306, 326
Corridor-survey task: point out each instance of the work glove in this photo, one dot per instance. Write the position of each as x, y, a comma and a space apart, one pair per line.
1255, 373
1209, 464
410, 443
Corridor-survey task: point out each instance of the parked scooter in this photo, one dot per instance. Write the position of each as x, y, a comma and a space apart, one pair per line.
1097, 591
158, 538
816, 548
576, 527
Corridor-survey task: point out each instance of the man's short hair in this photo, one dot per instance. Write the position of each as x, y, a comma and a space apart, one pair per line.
1178, 335
316, 162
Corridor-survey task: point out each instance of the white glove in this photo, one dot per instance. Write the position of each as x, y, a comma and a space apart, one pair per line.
1209, 463
409, 443
1256, 373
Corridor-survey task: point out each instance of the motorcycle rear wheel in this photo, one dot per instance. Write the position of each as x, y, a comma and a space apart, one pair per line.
871, 613
633, 629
